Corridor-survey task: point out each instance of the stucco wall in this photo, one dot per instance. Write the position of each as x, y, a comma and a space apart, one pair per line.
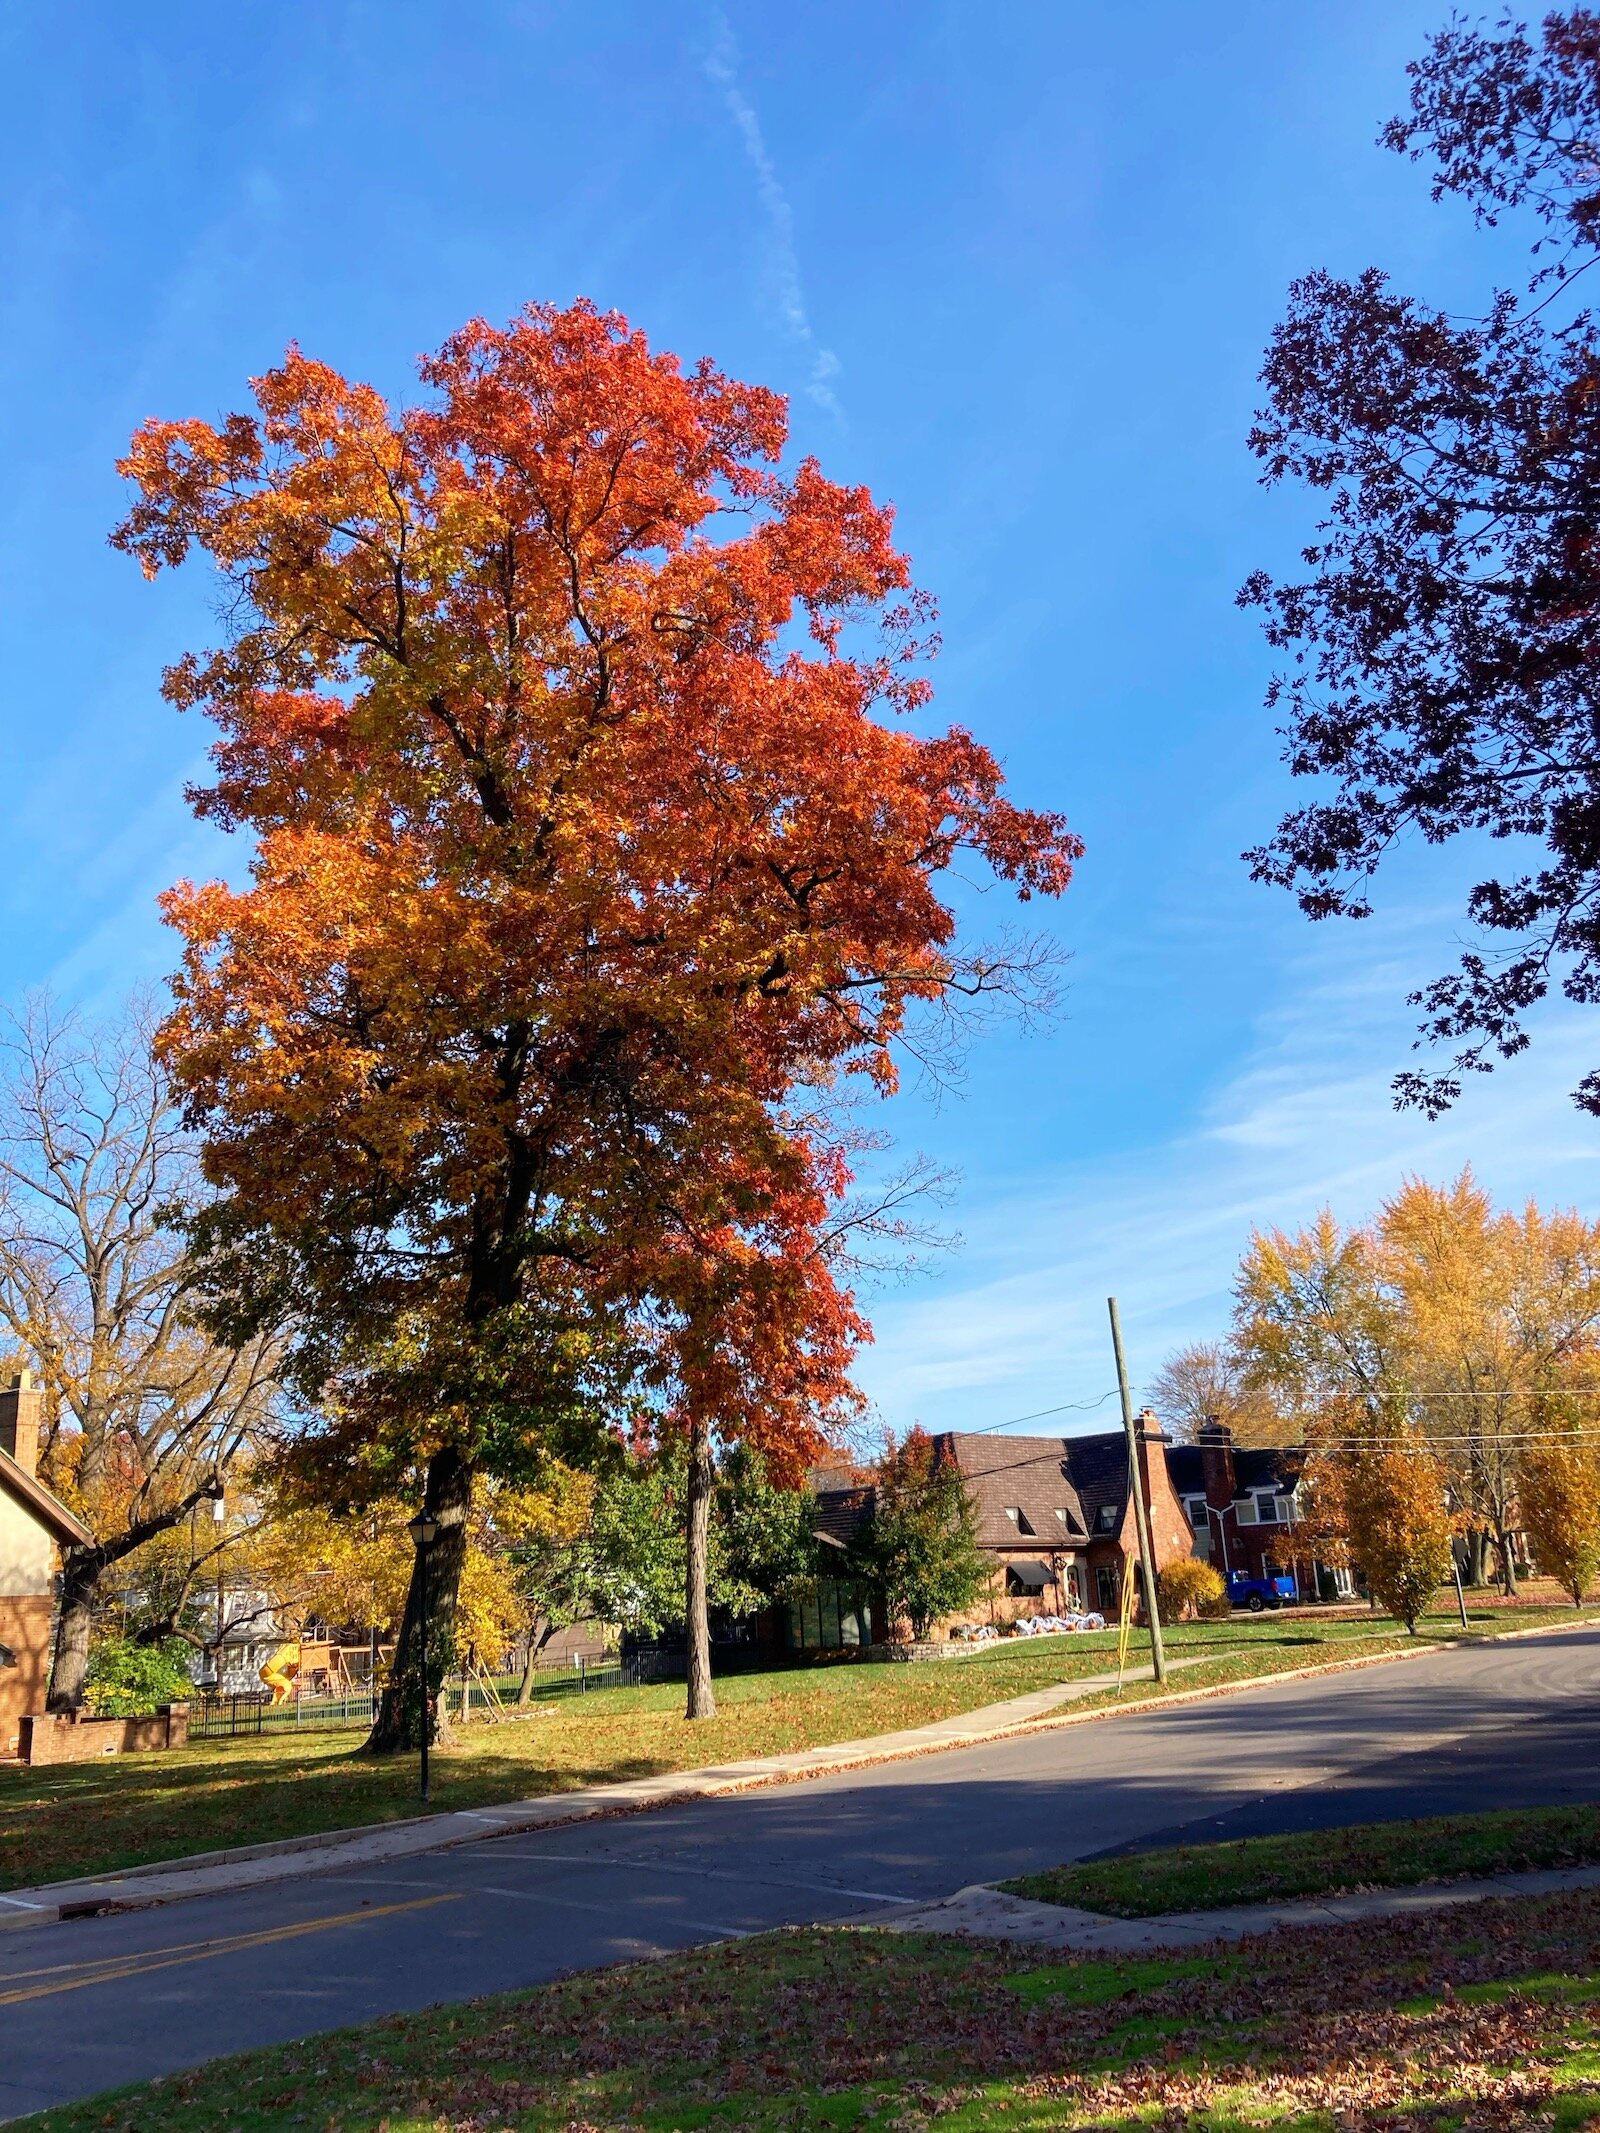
27, 1554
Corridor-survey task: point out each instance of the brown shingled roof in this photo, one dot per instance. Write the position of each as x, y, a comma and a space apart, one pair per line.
1037, 1477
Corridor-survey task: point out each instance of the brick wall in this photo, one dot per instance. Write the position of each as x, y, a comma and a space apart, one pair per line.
25, 1631
81, 1740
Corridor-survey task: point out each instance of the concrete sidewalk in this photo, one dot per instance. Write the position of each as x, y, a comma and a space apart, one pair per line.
989, 1914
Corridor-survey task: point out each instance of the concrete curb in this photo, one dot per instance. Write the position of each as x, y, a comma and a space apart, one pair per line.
984, 1912
251, 1865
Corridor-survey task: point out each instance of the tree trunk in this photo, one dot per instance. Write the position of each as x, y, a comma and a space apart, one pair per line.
81, 1572
535, 1646
1508, 1565
1477, 1549
446, 1498
702, 1702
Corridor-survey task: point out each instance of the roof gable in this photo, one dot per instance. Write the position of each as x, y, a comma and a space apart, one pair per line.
48, 1510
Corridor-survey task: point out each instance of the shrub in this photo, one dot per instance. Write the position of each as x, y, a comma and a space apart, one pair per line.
128, 1680
1189, 1589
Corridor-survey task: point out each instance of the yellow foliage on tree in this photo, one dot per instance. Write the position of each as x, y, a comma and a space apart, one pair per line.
325, 1566
1559, 1495
1461, 1319
1398, 1521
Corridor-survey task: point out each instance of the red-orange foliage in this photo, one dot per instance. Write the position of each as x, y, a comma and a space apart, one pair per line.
589, 821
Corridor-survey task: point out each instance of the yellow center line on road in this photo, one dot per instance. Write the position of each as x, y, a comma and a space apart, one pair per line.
73, 1977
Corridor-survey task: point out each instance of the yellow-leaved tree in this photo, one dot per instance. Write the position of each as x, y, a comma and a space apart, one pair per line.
1398, 1524
1463, 1321
1559, 1492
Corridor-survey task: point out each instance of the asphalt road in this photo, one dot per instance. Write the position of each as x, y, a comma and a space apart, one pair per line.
94, 2003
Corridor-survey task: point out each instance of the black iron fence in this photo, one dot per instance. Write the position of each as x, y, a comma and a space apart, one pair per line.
254, 1712
220, 1717
668, 1662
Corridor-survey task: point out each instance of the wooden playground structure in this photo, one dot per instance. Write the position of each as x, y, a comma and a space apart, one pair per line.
306, 1667
312, 1666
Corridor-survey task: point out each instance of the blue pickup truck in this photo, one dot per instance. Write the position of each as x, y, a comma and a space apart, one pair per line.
1258, 1594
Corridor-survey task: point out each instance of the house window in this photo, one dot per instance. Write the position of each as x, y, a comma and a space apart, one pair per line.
1024, 1523
1105, 1587
1062, 1516
1245, 1511
1027, 1578
1195, 1511
1266, 1508
1012, 1513
1105, 1519
831, 1616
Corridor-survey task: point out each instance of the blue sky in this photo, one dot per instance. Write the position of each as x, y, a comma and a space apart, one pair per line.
1016, 267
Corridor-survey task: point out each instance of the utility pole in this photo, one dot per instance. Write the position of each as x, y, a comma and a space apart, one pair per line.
1141, 1517
219, 1512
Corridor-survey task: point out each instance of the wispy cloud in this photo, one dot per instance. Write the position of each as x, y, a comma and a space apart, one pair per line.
783, 261
1018, 1322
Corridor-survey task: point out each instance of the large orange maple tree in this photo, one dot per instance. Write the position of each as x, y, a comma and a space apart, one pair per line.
577, 739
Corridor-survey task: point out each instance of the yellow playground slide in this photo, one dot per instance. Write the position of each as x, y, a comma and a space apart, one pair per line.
280, 1670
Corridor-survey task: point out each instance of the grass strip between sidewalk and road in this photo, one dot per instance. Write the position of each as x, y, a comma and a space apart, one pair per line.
1488, 2017
65, 1821
1321, 1862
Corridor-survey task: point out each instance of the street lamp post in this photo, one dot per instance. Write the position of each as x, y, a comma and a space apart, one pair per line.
422, 1530
219, 1513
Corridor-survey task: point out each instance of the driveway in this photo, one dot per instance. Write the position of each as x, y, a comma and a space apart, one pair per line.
94, 2003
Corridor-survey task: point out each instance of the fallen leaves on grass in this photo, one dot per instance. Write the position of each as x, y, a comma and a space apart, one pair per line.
1484, 2019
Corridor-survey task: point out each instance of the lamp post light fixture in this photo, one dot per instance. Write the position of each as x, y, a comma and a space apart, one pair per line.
423, 1530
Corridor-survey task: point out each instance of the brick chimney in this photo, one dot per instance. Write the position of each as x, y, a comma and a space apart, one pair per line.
1149, 1432
20, 1404
1215, 1440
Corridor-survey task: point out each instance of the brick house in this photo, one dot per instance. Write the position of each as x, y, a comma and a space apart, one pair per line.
34, 1525
1055, 1517
1243, 1504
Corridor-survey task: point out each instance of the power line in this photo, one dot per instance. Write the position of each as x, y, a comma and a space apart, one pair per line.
1069, 1407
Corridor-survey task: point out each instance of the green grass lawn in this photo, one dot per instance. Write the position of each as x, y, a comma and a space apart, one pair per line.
68, 1820
1324, 1862
1480, 2019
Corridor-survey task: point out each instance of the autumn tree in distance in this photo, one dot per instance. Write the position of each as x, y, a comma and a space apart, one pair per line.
1441, 676
591, 826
